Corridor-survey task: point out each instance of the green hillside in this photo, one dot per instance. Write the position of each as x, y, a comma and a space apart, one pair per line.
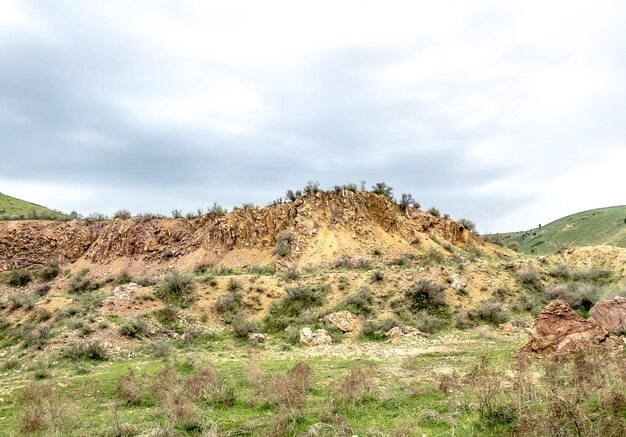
12, 208
588, 228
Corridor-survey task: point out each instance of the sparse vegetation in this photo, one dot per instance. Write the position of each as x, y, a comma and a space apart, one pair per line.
176, 288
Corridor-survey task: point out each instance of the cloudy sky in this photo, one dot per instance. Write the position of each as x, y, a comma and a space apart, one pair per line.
507, 113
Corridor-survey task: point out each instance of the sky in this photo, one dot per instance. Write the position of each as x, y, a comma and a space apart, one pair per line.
509, 113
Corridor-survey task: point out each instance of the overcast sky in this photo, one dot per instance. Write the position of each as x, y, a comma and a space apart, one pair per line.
507, 113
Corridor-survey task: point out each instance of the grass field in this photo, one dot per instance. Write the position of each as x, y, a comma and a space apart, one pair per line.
13, 208
588, 228
225, 388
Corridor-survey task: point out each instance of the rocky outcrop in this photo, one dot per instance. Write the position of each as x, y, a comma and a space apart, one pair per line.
404, 331
610, 314
309, 338
345, 321
558, 329
34, 243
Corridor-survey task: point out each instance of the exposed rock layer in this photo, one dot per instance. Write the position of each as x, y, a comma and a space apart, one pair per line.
34, 243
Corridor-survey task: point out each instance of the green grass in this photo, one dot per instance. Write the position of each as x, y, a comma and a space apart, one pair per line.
12, 208
401, 390
588, 228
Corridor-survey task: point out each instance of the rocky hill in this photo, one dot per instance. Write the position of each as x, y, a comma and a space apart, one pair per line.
317, 228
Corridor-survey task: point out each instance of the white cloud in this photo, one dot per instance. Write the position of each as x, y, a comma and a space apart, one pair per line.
523, 96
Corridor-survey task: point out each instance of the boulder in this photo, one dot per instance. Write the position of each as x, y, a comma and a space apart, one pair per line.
507, 327
257, 337
558, 329
345, 321
309, 338
458, 282
610, 314
403, 331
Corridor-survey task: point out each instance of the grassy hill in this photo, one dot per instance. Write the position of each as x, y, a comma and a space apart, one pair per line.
588, 228
12, 208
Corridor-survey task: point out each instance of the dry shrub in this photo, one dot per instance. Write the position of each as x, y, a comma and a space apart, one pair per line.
130, 388
287, 392
206, 386
42, 410
355, 387
449, 381
179, 409
166, 380
580, 393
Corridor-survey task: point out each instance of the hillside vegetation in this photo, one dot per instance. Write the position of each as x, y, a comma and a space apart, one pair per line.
146, 326
12, 208
603, 226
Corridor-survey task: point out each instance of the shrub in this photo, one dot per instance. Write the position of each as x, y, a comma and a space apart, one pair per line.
427, 295
349, 262
378, 276
84, 351
176, 288
406, 201
489, 311
312, 187
434, 212
291, 273
122, 214
432, 257
262, 270
375, 329
42, 290
134, 328
283, 244
430, 323
468, 224
19, 277
287, 391
242, 326
403, 260
167, 316
355, 387
560, 271
130, 389
81, 283
229, 305
159, 349
530, 276
216, 210
22, 300
49, 272
291, 195
295, 301
382, 189
233, 285
359, 302
581, 296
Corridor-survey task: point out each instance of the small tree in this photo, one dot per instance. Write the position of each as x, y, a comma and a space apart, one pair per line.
468, 224
122, 214
407, 200
434, 211
312, 187
383, 189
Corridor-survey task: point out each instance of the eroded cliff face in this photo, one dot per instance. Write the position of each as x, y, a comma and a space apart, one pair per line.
363, 215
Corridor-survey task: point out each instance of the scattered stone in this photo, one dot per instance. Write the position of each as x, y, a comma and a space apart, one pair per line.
122, 291
404, 331
309, 338
257, 337
610, 314
345, 321
507, 327
458, 282
559, 329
